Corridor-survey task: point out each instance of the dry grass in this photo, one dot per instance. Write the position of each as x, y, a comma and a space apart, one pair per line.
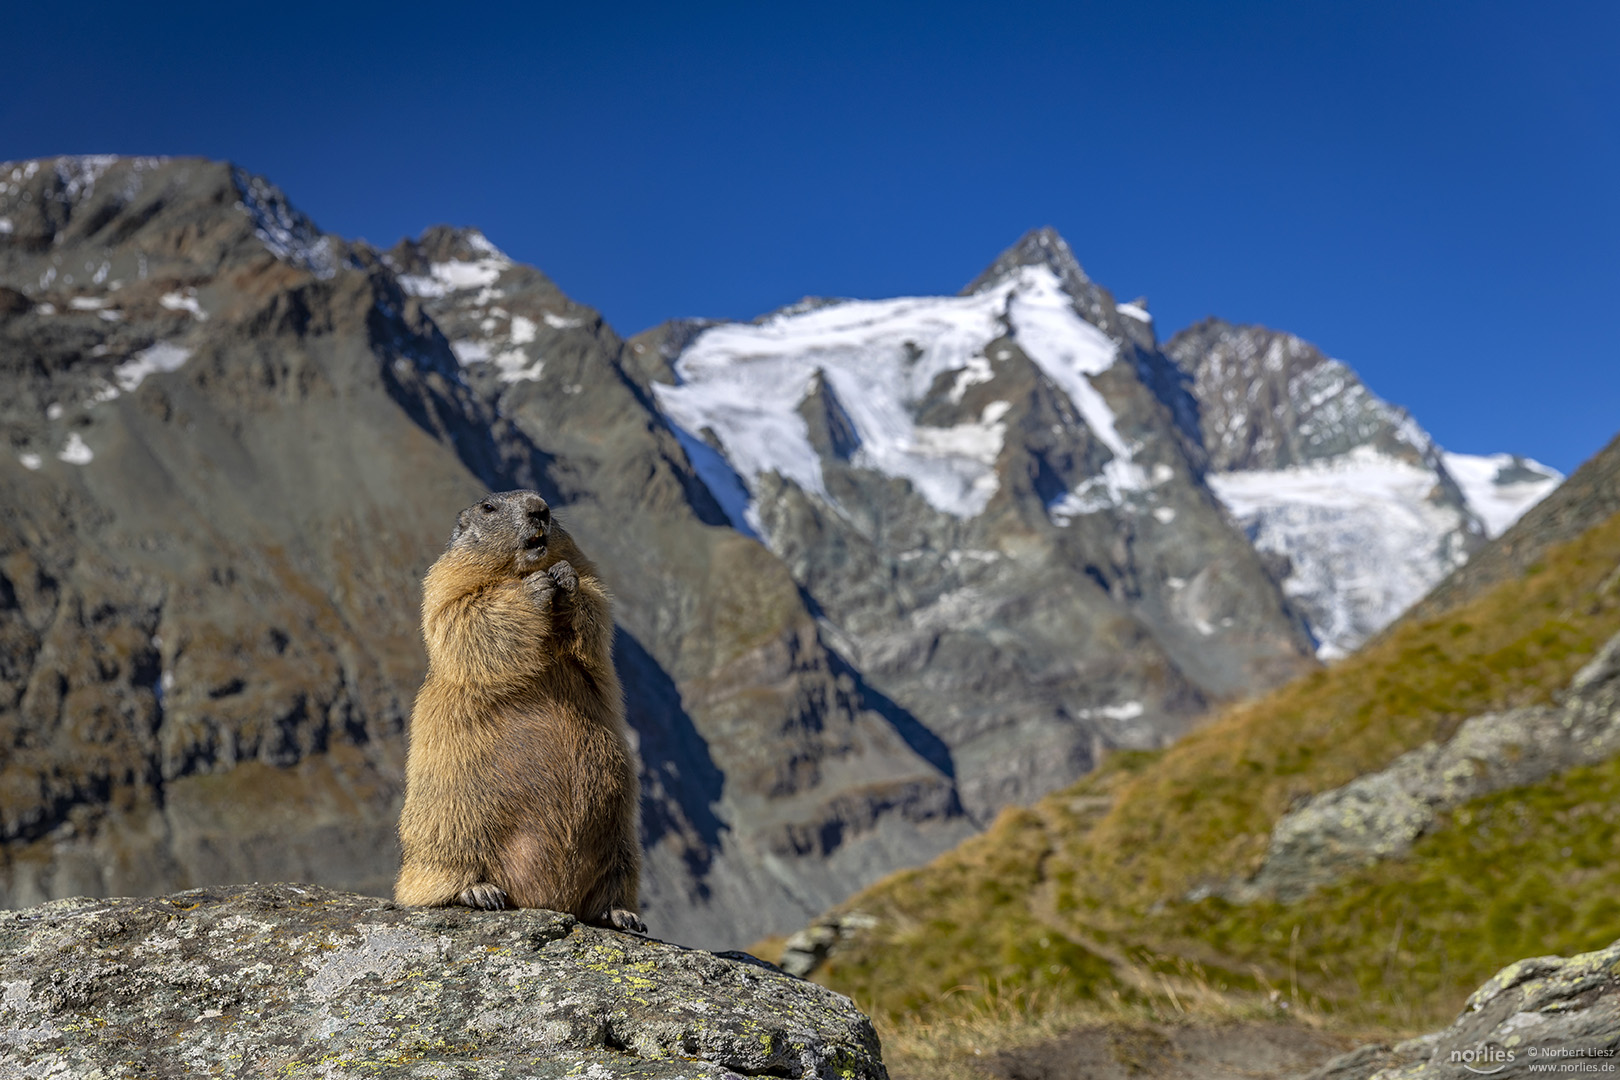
952, 1038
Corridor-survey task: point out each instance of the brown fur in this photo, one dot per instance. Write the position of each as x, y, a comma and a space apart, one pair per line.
520, 786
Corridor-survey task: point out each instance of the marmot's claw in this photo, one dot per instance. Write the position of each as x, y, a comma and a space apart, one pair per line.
564, 576
540, 588
625, 920
484, 895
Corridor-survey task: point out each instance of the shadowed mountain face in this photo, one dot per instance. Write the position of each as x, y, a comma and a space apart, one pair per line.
881, 568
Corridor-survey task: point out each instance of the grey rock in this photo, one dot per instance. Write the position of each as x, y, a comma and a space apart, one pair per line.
1269, 400
1379, 815
807, 949
264, 979
1356, 1064
1560, 1014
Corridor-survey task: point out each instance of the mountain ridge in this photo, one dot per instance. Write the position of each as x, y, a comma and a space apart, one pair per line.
220, 411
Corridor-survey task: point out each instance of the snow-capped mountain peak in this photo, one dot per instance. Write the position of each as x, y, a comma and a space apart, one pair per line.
1500, 487
745, 386
1367, 509
1038, 247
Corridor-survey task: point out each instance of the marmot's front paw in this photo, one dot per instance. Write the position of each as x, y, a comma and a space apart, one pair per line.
484, 895
564, 576
541, 588
620, 919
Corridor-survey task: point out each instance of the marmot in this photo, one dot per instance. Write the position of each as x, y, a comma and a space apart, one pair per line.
520, 788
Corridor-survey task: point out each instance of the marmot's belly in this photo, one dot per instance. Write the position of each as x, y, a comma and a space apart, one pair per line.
567, 824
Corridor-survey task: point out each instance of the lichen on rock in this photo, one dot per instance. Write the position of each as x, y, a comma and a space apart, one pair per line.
1546, 1014
295, 980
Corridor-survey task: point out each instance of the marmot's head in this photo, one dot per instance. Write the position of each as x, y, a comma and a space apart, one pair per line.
507, 525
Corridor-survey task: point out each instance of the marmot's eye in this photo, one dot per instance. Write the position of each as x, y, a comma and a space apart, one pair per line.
488, 508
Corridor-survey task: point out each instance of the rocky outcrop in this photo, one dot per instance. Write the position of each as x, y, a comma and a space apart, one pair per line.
1544, 1015
280, 979
806, 950
1378, 816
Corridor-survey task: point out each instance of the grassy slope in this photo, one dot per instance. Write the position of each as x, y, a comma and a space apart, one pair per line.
1102, 869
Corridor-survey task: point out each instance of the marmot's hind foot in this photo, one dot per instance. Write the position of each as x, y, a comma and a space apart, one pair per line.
483, 895
620, 919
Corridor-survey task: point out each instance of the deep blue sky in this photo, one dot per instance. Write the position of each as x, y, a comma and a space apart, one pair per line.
1431, 192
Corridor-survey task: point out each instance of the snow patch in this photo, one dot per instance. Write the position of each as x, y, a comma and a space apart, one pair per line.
562, 322
470, 352
1362, 531
977, 371
1500, 487
448, 277
184, 301
6, 226
745, 383
444, 278
1131, 311
1128, 710
162, 357
30, 461
512, 365
284, 231
481, 244
1070, 351
523, 330
78, 173
87, 303
76, 452
722, 480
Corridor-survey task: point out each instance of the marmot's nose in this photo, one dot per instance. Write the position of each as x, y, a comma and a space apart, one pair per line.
535, 509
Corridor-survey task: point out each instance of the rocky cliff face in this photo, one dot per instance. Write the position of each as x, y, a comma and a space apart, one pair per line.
994, 503
236, 444
266, 980
1363, 512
